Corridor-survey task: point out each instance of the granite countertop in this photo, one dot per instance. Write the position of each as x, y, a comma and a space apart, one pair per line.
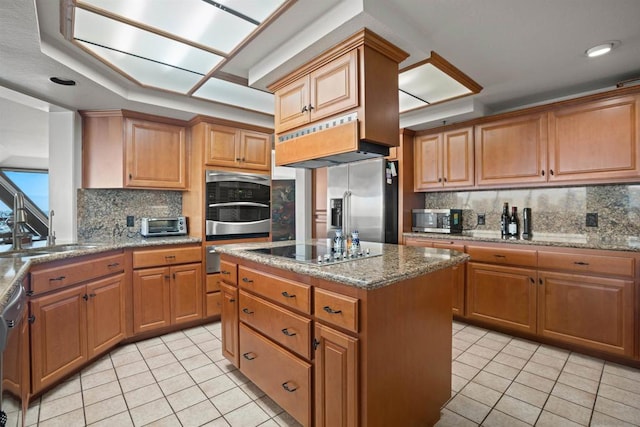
397, 263
607, 242
14, 269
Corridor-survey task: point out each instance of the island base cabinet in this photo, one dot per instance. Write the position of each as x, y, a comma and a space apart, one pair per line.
284, 377
229, 318
58, 336
593, 312
336, 378
502, 296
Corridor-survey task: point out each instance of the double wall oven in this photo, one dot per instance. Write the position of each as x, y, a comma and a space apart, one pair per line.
238, 206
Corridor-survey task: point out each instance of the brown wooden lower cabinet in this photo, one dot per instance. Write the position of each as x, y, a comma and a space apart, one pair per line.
503, 296
593, 312
229, 318
336, 376
369, 365
71, 326
164, 296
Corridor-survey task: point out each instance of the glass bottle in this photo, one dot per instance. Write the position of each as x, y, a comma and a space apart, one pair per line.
514, 226
504, 221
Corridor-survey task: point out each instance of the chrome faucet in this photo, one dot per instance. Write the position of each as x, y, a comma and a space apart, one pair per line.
19, 219
51, 237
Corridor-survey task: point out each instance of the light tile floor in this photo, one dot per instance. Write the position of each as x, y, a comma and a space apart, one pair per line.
182, 379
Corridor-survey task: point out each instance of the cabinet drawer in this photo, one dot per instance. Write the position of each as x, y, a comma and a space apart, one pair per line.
289, 329
212, 283
336, 309
155, 257
287, 292
586, 263
213, 304
282, 376
229, 272
524, 257
75, 271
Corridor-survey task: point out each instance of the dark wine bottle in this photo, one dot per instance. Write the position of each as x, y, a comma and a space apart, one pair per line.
514, 226
504, 221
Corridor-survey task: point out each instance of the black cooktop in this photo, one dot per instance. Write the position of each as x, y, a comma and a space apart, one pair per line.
321, 254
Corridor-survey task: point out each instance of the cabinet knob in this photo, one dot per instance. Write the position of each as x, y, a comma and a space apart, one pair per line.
445, 179
551, 171
439, 179
310, 107
543, 172
237, 159
304, 109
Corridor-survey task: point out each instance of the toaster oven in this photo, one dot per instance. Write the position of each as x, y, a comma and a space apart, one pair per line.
169, 226
437, 220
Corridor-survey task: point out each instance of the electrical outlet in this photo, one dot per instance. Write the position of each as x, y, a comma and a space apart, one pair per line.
592, 219
481, 219
130, 221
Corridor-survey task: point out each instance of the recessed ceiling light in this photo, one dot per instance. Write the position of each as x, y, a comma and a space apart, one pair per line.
601, 49
64, 82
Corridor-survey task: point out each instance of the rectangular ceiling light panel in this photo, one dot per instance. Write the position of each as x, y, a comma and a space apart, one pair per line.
258, 10
408, 102
195, 20
147, 73
234, 94
429, 83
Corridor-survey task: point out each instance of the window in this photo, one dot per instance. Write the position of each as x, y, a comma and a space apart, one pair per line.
34, 184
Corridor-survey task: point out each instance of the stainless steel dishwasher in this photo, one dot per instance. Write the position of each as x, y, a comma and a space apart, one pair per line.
13, 403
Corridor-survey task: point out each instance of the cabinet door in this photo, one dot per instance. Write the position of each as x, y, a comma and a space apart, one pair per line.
105, 314
458, 277
229, 319
593, 312
155, 155
457, 158
151, 299
186, 293
502, 296
512, 151
292, 105
427, 163
595, 141
222, 145
336, 374
255, 150
58, 335
334, 87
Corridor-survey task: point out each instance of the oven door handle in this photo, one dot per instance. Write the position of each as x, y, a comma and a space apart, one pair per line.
252, 204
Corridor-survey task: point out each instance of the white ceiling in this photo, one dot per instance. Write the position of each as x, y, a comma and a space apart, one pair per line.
521, 51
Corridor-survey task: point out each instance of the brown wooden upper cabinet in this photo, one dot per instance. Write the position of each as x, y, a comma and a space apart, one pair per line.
237, 148
328, 90
511, 151
595, 141
123, 149
444, 160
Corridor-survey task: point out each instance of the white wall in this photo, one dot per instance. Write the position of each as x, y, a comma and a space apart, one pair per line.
65, 171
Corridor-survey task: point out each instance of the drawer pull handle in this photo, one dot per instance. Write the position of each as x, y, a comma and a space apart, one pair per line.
287, 333
285, 385
115, 264
580, 263
247, 280
57, 279
232, 300
249, 356
499, 256
330, 310
225, 272
247, 311
288, 295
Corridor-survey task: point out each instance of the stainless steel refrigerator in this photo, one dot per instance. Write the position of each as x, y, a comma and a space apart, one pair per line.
363, 196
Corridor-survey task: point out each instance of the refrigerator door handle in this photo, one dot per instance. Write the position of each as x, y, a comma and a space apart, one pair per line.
346, 212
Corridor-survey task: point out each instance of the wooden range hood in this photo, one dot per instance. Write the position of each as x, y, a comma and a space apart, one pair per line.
340, 107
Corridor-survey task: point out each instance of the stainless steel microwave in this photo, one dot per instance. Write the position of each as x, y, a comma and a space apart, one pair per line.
437, 220
167, 226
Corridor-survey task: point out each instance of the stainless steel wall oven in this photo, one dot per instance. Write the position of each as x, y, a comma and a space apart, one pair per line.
238, 205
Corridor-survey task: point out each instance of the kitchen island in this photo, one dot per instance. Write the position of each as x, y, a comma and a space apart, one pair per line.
358, 342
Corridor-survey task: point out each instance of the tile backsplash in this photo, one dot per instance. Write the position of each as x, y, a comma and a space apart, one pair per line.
102, 214
554, 210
